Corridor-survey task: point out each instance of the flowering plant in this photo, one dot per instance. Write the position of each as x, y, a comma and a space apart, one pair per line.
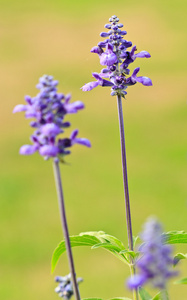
153, 261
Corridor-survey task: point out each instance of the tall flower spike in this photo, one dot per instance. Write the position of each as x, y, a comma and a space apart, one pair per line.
155, 264
48, 109
114, 55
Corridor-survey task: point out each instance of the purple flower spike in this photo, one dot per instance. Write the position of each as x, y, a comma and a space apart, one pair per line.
48, 109
114, 55
155, 263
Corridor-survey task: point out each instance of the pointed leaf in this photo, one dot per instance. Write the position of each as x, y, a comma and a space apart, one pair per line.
133, 254
110, 243
107, 246
178, 257
135, 239
144, 294
175, 237
92, 238
77, 240
104, 237
161, 295
181, 281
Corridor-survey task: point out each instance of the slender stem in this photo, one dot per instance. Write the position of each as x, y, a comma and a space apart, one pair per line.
65, 228
125, 179
126, 189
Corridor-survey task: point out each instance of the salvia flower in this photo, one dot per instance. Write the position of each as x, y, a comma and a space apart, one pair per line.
113, 53
65, 287
155, 263
49, 109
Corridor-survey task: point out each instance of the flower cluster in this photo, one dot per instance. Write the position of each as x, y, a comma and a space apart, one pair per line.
48, 109
65, 287
114, 55
156, 262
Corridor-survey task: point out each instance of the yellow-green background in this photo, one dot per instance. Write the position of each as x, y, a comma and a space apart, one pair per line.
55, 37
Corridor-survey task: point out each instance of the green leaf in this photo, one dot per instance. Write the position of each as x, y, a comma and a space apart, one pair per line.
107, 246
175, 237
77, 240
161, 295
133, 254
94, 239
178, 257
104, 237
135, 239
181, 281
144, 294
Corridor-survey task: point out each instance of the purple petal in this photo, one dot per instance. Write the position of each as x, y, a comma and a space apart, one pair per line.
67, 98
135, 72
110, 47
97, 50
102, 44
89, 86
30, 113
28, 99
74, 134
28, 149
73, 107
83, 141
102, 81
50, 129
143, 54
135, 281
106, 83
133, 50
123, 32
20, 107
144, 80
49, 150
108, 59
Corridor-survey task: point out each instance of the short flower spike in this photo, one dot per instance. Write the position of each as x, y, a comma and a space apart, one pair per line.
114, 55
48, 109
155, 263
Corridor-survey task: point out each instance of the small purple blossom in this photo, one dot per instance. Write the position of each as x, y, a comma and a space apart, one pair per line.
65, 287
114, 55
49, 109
155, 263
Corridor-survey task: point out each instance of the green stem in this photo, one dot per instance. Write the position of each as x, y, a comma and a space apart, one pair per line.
65, 228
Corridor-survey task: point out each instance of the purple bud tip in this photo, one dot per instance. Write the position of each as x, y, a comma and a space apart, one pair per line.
104, 34
108, 26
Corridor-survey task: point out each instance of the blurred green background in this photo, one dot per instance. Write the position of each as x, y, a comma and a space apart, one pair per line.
55, 37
